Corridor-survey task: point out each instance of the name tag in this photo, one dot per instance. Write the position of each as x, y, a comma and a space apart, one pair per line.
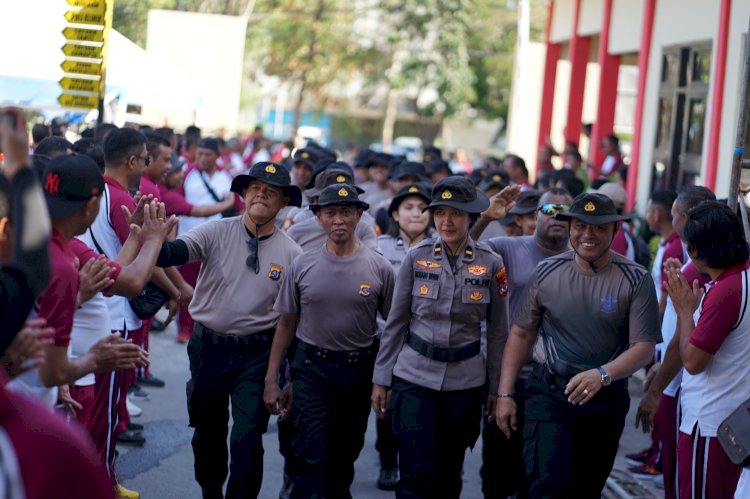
419, 274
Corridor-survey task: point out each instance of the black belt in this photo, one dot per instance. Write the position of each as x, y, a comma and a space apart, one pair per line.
337, 356
443, 354
250, 341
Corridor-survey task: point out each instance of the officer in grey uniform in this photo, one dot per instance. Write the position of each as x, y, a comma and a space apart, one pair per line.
329, 299
597, 315
430, 350
244, 260
307, 230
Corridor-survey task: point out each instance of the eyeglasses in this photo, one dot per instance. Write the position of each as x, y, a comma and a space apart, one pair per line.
146, 160
553, 209
252, 259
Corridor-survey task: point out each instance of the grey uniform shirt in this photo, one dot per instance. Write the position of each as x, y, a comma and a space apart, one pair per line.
587, 319
229, 297
336, 298
445, 307
309, 234
493, 229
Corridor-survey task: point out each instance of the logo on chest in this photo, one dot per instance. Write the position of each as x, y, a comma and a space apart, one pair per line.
428, 264
477, 270
274, 271
609, 304
476, 295
424, 290
365, 289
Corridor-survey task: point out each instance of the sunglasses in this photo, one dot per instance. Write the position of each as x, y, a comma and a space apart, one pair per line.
553, 209
252, 259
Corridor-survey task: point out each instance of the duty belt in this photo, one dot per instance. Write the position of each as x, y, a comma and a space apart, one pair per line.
251, 341
443, 354
337, 356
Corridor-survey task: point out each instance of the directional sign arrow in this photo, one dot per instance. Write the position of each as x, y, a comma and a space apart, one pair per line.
85, 16
72, 50
87, 68
79, 85
91, 4
83, 34
79, 101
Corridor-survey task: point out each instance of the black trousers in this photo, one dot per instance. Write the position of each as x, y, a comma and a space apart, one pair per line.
331, 408
220, 374
434, 429
503, 472
386, 443
569, 450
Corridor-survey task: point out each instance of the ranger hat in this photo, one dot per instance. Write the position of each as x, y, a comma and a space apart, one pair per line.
329, 176
363, 158
271, 174
409, 169
494, 179
419, 190
306, 156
339, 195
592, 208
69, 182
431, 153
459, 193
526, 203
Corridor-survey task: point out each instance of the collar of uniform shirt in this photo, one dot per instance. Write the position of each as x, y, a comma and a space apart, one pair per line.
261, 238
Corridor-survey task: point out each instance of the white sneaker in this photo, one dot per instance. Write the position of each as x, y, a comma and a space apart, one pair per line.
133, 409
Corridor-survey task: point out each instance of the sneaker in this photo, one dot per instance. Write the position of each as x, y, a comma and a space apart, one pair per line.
387, 479
151, 380
638, 458
133, 409
183, 337
131, 438
137, 392
135, 427
646, 471
157, 326
123, 493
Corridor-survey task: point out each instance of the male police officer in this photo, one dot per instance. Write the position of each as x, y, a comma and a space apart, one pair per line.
331, 295
597, 314
244, 259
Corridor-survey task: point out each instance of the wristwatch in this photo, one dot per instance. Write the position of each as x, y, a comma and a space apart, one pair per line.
606, 380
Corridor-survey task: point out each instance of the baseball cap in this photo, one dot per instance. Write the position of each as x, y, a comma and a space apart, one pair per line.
271, 174
209, 143
69, 182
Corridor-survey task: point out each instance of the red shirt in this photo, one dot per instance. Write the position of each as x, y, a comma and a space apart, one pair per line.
55, 459
174, 201
84, 254
147, 187
118, 197
672, 249
720, 311
620, 242
57, 303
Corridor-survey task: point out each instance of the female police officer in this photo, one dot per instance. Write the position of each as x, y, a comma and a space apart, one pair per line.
430, 350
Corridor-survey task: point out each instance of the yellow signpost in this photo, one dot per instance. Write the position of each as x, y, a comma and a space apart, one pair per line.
85, 53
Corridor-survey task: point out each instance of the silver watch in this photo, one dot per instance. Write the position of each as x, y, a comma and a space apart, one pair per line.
606, 380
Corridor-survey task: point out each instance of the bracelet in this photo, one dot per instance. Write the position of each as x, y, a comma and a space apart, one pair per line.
506, 395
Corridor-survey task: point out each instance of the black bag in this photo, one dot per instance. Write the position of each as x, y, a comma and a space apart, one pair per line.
150, 301
734, 434
226, 213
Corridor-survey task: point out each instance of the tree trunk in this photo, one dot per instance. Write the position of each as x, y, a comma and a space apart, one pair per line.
315, 25
389, 120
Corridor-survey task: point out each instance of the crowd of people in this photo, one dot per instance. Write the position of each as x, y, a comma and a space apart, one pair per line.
317, 286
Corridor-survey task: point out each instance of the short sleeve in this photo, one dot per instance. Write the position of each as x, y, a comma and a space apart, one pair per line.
288, 300
643, 318
719, 314
528, 312
84, 254
199, 239
176, 204
57, 303
673, 250
117, 217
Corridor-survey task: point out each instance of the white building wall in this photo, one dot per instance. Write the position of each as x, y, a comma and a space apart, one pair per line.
590, 21
562, 21
625, 26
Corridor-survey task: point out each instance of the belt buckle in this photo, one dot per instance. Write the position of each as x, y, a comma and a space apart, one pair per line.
430, 350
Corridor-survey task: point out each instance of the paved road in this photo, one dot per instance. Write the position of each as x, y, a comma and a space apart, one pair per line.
163, 468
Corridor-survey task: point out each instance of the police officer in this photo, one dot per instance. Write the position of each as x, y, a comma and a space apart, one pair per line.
330, 296
411, 225
597, 315
430, 351
243, 262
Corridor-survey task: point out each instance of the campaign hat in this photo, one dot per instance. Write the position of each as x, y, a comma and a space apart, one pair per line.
494, 179
272, 174
332, 175
459, 193
307, 156
420, 190
527, 202
339, 195
592, 208
409, 169
69, 182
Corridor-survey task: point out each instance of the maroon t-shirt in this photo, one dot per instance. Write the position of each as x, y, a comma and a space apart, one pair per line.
57, 303
174, 201
118, 197
56, 459
147, 187
84, 254
672, 249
